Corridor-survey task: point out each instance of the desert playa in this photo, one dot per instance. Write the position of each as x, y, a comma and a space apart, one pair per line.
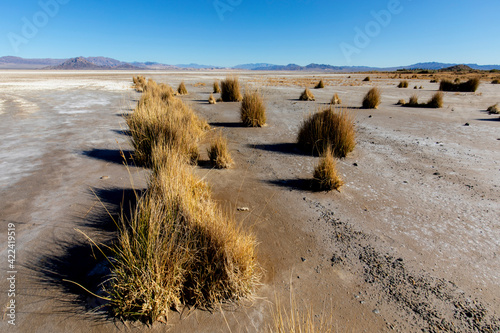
409, 243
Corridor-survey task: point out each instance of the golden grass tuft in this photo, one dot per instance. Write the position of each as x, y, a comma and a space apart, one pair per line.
372, 99
167, 121
325, 177
218, 153
335, 100
179, 248
401, 102
253, 110
436, 101
469, 86
494, 109
216, 88
403, 84
211, 99
307, 95
139, 83
320, 85
182, 89
328, 129
230, 90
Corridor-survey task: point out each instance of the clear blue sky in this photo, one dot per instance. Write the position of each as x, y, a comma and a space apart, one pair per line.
248, 31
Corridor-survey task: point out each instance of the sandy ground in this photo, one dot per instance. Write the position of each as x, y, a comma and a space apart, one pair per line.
410, 244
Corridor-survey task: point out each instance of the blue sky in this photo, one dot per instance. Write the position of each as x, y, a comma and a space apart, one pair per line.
231, 32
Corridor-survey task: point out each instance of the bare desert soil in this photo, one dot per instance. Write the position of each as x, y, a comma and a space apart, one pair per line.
410, 244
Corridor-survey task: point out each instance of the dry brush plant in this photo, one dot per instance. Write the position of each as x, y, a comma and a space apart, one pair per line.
211, 99
169, 121
372, 99
178, 248
335, 100
494, 109
218, 152
139, 83
325, 177
495, 81
320, 85
230, 90
216, 87
328, 129
182, 90
307, 95
253, 109
468, 86
403, 84
436, 101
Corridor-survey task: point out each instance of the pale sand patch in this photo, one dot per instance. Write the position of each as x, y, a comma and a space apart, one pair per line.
2, 102
26, 106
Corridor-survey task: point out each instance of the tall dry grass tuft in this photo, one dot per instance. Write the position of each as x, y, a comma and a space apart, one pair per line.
179, 248
307, 95
139, 83
403, 84
469, 86
328, 129
320, 85
182, 89
253, 110
372, 99
436, 101
230, 90
325, 177
211, 99
335, 100
170, 122
216, 87
218, 153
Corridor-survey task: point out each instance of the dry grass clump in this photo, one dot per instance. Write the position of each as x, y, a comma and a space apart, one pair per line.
182, 89
366, 79
335, 100
403, 84
230, 90
325, 177
328, 129
216, 87
372, 99
178, 248
469, 86
139, 83
307, 95
211, 99
494, 109
218, 153
320, 85
434, 81
495, 81
253, 110
298, 320
436, 101
170, 122
401, 102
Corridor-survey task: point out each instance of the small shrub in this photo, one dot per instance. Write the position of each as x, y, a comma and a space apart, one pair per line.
469, 86
328, 129
494, 109
320, 85
218, 153
434, 81
401, 102
307, 95
436, 100
216, 87
372, 99
421, 87
403, 84
413, 101
230, 90
211, 99
335, 100
182, 89
495, 81
325, 177
253, 110
366, 79
416, 87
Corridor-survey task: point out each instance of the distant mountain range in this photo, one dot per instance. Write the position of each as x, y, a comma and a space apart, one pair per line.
103, 63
